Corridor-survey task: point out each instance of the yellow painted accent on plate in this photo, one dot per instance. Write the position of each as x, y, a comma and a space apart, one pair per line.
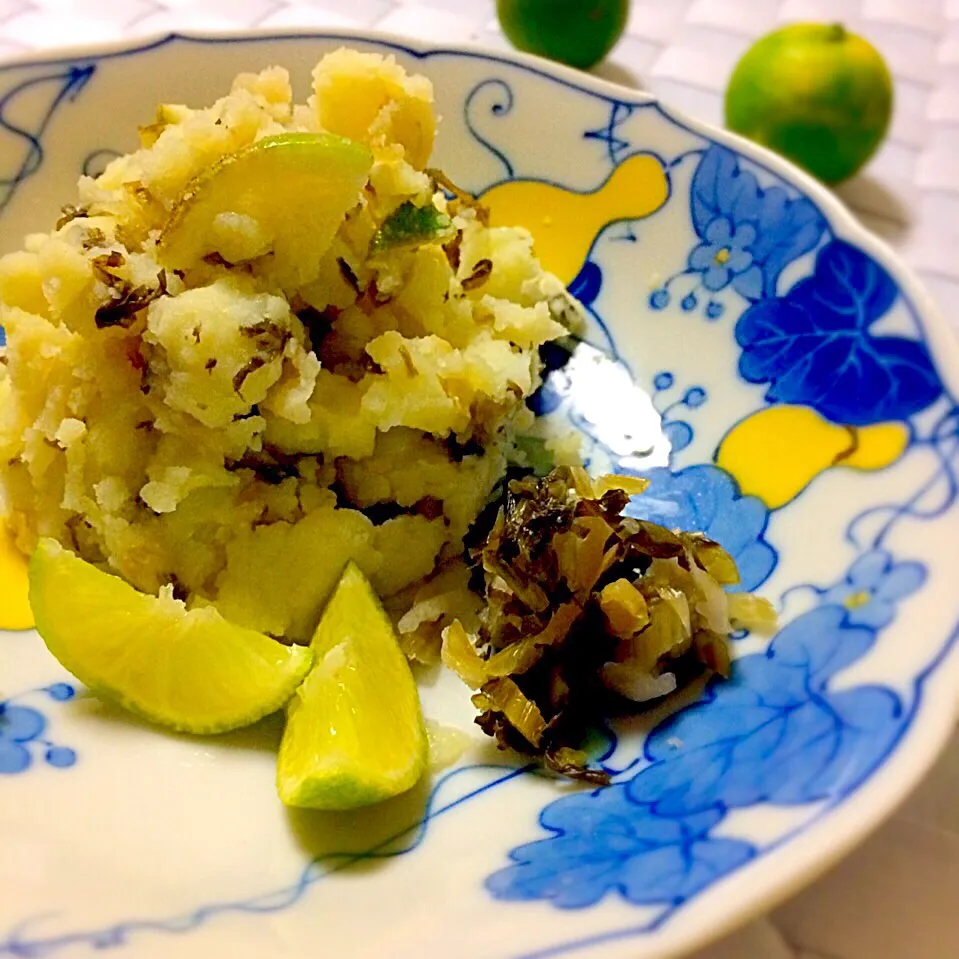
878, 446
775, 453
778, 451
15, 612
565, 223
857, 600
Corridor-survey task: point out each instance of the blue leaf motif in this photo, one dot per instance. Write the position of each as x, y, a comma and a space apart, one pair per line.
775, 732
717, 166
784, 228
814, 346
604, 842
705, 498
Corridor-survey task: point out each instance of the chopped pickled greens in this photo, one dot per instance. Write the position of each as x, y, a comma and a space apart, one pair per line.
590, 613
750, 612
409, 225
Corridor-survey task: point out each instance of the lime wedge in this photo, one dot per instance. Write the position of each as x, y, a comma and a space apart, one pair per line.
187, 669
284, 195
354, 731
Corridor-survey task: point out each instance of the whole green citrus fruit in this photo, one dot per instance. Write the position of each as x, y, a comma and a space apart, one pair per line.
815, 93
576, 32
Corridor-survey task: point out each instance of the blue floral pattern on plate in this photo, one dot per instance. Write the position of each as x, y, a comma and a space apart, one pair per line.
776, 227
777, 732
873, 586
725, 257
748, 235
650, 838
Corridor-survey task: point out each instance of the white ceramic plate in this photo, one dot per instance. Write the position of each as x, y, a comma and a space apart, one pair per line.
788, 388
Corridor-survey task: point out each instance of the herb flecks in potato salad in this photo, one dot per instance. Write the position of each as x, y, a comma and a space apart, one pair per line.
249, 351
272, 345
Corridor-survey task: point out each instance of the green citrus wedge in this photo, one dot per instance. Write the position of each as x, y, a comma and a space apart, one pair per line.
284, 195
354, 732
190, 670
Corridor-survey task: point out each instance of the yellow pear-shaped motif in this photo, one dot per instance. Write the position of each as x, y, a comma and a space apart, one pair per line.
775, 453
565, 223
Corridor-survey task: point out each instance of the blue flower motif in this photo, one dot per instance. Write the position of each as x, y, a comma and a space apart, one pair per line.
873, 585
765, 229
606, 842
705, 498
748, 233
724, 257
22, 727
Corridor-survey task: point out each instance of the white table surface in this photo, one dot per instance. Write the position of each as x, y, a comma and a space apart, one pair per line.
897, 897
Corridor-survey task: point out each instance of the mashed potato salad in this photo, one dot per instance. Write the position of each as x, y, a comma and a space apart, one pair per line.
272, 357
208, 414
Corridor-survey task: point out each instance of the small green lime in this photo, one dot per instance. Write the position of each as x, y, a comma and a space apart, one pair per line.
815, 93
576, 32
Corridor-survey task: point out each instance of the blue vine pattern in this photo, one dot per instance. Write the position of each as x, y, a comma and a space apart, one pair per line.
650, 838
500, 104
933, 498
23, 732
616, 146
20, 943
98, 160
654, 837
779, 731
65, 85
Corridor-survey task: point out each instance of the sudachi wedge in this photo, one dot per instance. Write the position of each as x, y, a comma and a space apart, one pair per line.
354, 734
190, 670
